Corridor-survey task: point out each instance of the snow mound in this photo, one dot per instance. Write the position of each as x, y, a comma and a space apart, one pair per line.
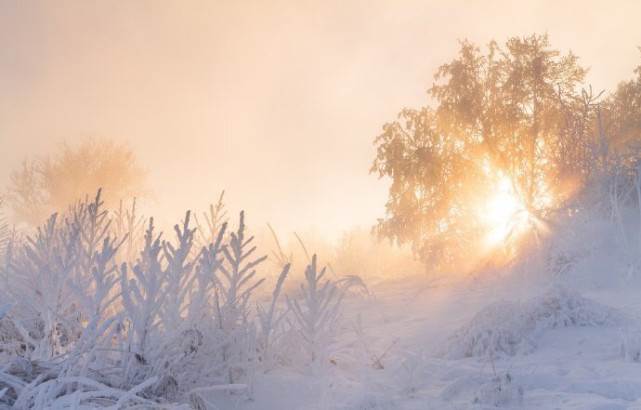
500, 391
510, 328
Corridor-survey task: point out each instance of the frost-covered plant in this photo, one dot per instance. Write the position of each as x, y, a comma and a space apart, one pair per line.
270, 321
278, 254
210, 260
237, 282
143, 296
47, 316
97, 304
128, 224
93, 225
190, 322
510, 328
181, 339
213, 222
85, 374
63, 281
216, 343
83, 326
316, 311
233, 290
180, 273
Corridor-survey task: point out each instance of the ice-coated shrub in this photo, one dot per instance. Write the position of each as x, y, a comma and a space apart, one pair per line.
60, 280
315, 311
271, 322
84, 324
143, 293
211, 223
129, 225
510, 328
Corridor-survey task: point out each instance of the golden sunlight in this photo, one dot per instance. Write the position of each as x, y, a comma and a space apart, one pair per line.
505, 214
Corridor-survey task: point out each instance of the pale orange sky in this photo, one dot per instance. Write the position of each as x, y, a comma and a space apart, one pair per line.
275, 101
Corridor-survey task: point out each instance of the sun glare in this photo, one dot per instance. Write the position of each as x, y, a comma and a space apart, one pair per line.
504, 213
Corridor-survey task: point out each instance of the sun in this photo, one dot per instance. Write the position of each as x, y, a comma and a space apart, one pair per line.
505, 215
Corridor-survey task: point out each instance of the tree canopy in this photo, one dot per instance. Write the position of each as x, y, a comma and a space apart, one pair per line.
518, 114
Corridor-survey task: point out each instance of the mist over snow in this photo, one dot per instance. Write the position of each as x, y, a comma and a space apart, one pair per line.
281, 205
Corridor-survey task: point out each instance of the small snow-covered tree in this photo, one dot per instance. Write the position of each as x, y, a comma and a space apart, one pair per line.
238, 279
270, 321
95, 245
210, 260
316, 310
128, 224
48, 318
143, 296
213, 221
180, 273
233, 290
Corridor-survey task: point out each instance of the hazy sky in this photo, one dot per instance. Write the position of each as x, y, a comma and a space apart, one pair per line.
275, 101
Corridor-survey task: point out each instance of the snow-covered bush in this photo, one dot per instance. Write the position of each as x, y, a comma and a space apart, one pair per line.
271, 322
510, 328
85, 324
129, 225
62, 284
211, 223
60, 278
143, 294
315, 311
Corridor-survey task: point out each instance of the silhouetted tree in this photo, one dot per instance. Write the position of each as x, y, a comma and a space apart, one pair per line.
514, 111
50, 184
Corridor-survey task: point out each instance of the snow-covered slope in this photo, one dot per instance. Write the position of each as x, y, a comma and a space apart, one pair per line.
558, 327
473, 345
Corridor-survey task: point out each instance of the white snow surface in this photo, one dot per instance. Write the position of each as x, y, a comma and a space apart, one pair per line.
478, 343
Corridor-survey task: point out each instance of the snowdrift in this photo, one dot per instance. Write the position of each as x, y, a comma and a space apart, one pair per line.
511, 328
